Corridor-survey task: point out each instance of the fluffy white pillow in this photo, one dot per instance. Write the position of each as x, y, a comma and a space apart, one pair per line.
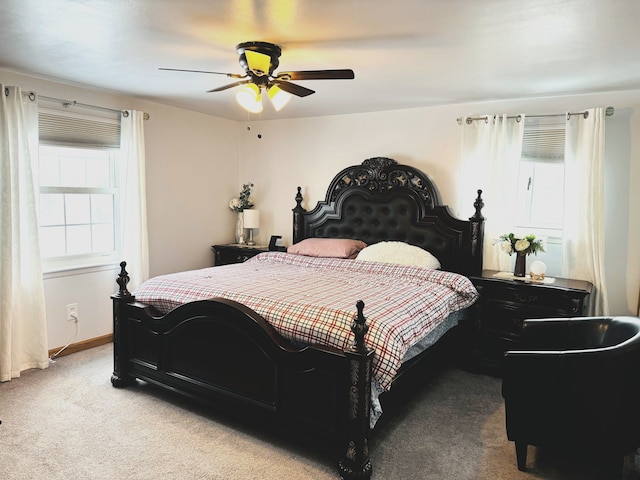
400, 253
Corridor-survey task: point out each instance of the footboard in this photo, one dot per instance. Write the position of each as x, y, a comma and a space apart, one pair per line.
224, 354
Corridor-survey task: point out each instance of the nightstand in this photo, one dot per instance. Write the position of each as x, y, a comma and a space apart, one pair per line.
505, 303
236, 253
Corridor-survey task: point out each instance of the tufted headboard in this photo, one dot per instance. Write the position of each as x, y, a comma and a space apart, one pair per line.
382, 200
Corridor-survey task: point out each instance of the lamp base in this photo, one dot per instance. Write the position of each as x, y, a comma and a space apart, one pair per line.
250, 242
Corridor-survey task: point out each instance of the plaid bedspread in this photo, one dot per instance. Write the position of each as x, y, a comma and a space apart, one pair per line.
312, 300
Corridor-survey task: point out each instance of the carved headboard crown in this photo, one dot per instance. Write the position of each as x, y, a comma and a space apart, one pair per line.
381, 174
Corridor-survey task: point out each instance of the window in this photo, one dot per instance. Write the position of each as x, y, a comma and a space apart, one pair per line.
540, 202
78, 201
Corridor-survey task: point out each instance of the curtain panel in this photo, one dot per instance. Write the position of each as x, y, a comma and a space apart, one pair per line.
490, 161
23, 328
134, 242
584, 225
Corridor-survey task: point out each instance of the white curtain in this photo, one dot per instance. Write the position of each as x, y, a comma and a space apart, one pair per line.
133, 198
491, 151
583, 246
23, 327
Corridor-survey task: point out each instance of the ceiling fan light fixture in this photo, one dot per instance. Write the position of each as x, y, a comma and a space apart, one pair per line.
259, 63
250, 98
279, 98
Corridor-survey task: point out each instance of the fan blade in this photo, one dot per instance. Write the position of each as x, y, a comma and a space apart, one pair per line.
345, 74
232, 75
294, 89
230, 85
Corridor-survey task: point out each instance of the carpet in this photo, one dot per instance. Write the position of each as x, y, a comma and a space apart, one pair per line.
68, 422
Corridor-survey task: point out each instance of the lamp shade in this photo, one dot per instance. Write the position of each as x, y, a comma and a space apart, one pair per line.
250, 98
279, 97
251, 218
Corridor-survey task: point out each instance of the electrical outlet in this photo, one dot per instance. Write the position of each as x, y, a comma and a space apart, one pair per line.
72, 312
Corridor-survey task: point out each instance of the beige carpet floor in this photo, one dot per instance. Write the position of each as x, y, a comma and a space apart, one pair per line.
68, 422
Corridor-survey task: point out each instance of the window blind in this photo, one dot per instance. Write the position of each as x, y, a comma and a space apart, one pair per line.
544, 139
60, 127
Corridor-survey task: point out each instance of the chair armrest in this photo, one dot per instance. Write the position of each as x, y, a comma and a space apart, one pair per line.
583, 333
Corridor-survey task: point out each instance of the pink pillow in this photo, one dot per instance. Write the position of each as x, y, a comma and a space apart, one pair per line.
327, 247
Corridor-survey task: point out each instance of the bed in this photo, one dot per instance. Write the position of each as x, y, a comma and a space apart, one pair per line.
228, 347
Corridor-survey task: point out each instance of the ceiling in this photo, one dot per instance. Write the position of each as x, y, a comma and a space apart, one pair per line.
405, 54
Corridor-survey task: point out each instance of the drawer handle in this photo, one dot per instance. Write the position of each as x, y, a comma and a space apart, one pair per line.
576, 306
526, 298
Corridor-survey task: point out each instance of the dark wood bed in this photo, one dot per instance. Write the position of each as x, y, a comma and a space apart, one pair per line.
224, 354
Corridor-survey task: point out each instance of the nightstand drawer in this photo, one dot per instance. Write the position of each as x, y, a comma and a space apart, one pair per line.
534, 299
502, 320
233, 253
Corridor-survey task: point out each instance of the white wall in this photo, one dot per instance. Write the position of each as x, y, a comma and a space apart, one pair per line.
308, 152
192, 171
197, 163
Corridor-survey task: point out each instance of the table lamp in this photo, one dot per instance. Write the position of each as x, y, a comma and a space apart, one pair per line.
251, 221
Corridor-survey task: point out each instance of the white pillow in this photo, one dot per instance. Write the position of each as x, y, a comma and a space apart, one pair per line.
400, 253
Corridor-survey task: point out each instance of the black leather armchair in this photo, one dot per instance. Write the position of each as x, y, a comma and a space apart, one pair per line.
576, 386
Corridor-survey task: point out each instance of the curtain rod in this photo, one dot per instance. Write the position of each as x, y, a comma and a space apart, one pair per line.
73, 103
609, 112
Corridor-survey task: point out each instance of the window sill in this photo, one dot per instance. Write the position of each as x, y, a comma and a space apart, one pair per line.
70, 270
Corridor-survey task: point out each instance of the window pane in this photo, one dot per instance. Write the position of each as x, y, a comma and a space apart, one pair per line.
49, 168
103, 238
52, 242
98, 168
51, 209
77, 208
72, 171
547, 198
78, 239
102, 208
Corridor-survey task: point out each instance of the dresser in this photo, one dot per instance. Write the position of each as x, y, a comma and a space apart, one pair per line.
236, 253
505, 303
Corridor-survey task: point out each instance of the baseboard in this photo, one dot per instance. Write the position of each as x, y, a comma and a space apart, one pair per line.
83, 345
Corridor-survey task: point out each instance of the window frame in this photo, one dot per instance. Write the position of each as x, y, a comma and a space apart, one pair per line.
543, 144
92, 259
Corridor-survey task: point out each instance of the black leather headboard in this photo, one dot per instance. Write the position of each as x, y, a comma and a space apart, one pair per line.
381, 200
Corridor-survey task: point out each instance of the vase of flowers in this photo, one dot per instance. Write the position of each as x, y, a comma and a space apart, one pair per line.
521, 246
239, 204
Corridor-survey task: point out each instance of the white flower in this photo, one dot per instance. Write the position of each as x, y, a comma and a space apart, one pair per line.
506, 247
522, 244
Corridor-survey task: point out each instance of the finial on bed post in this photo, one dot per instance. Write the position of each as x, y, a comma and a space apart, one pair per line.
477, 237
478, 204
122, 281
359, 328
298, 218
356, 463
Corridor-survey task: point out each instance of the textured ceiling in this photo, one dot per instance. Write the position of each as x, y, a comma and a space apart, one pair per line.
405, 53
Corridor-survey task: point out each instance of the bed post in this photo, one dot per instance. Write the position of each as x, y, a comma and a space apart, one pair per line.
120, 361
298, 220
477, 235
356, 463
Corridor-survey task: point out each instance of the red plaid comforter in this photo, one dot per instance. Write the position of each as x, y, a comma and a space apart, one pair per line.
312, 300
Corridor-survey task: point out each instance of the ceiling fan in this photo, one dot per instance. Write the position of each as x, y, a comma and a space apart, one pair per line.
259, 61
